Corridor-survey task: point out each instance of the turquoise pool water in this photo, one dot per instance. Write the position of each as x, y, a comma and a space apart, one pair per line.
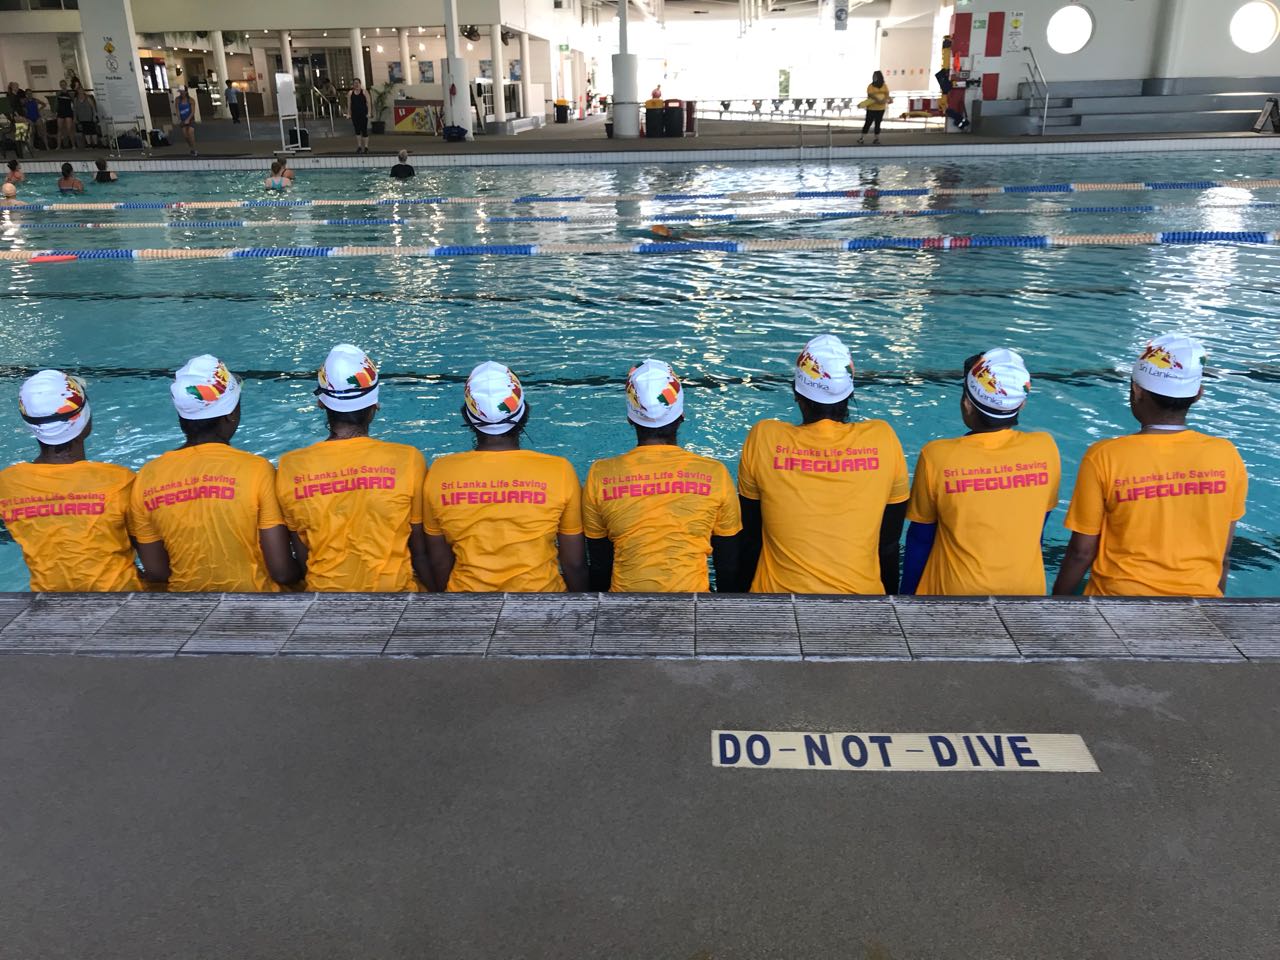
571, 327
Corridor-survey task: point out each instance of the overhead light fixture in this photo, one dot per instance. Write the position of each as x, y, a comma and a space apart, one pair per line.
377, 30
422, 46
470, 45
379, 48
325, 34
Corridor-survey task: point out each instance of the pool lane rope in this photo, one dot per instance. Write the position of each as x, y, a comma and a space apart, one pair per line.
602, 219
941, 242
853, 193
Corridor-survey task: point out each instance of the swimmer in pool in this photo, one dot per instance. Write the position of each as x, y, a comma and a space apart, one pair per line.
69, 182
8, 193
277, 181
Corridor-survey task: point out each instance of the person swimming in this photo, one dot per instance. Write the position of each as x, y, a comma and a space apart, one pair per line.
277, 181
69, 182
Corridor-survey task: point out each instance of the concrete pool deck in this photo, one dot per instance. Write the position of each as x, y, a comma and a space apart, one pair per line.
468, 807
223, 147
627, 625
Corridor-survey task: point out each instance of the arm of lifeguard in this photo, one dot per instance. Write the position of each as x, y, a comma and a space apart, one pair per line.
418, 557
1226, 559
726, 557
573, 561
299, 551
440, 557
915, 555
277, 551
1082, 550
751, 541
890, 535
600, 560
155, 561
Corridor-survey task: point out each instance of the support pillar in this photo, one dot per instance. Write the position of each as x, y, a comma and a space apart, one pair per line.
82, 62
499, 73
626, 70
1170, 26
112, 52
286, 53
357, 58
220, 66
457, 86
526, 79
406, 62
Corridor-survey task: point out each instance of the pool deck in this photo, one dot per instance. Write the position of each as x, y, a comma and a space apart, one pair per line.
627, 625
521, 777
222, 146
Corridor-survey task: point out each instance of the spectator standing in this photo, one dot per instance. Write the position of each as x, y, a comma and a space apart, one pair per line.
233, 101
64, 110
12, 100
358, 110
86, 115
186, 110
31, 110
876, 104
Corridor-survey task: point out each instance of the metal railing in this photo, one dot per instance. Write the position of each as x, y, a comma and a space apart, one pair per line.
1041, 86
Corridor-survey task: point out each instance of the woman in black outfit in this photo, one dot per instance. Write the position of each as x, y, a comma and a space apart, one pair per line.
358, 107
64, 108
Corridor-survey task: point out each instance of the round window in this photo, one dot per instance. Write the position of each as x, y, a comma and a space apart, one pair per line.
1255, 26
1069, 29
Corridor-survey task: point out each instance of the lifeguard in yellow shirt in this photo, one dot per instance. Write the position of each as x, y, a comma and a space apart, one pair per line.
206, 514
499, 517
979, 503
654, 514
353, 504
823, 502
69, 514
1154, 512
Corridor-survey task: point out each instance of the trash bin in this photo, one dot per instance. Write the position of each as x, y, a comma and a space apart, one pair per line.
562, 113
655, 123
691, 117
674, 118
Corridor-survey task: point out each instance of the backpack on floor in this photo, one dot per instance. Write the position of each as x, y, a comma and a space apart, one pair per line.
159, 139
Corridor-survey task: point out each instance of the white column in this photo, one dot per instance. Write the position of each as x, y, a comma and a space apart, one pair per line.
626, 68
112, 54
457, 87
406, 66
263, 81
286, 53
526, 80
220, 65
1168, 36
82, 62
357, 57
499, 73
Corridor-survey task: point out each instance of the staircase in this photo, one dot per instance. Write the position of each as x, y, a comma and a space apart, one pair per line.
1196, 104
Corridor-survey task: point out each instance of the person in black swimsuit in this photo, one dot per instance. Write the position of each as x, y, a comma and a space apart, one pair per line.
64, 107
358, 107
103, 175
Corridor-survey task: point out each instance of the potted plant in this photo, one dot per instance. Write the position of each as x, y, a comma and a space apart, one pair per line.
381, 100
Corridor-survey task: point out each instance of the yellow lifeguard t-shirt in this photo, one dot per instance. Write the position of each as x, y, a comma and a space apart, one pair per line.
72, 522
208, 503
352, 502
989, 494
1161, 504
822, 489
660, 505
500, 511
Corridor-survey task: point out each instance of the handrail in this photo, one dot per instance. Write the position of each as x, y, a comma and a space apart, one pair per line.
1044, 84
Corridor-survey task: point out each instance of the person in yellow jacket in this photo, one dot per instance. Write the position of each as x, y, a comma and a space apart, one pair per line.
876, 104
69, 514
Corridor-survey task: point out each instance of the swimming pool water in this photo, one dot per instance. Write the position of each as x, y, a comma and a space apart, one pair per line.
571, 327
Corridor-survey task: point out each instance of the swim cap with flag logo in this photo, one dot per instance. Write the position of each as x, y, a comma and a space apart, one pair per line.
1171, 365
493, 400
654, 395
824, 370
998, 383
55, 406
204, 388
348, 381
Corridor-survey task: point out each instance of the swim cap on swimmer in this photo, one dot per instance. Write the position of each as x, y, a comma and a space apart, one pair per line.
493, 400
204, 388
654, 395
998, 383
1171, 365
55, 406
8, 191
824, 370
348, 381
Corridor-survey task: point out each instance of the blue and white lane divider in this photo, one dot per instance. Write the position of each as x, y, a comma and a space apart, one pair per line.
749, 195
659, 218
671, 247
